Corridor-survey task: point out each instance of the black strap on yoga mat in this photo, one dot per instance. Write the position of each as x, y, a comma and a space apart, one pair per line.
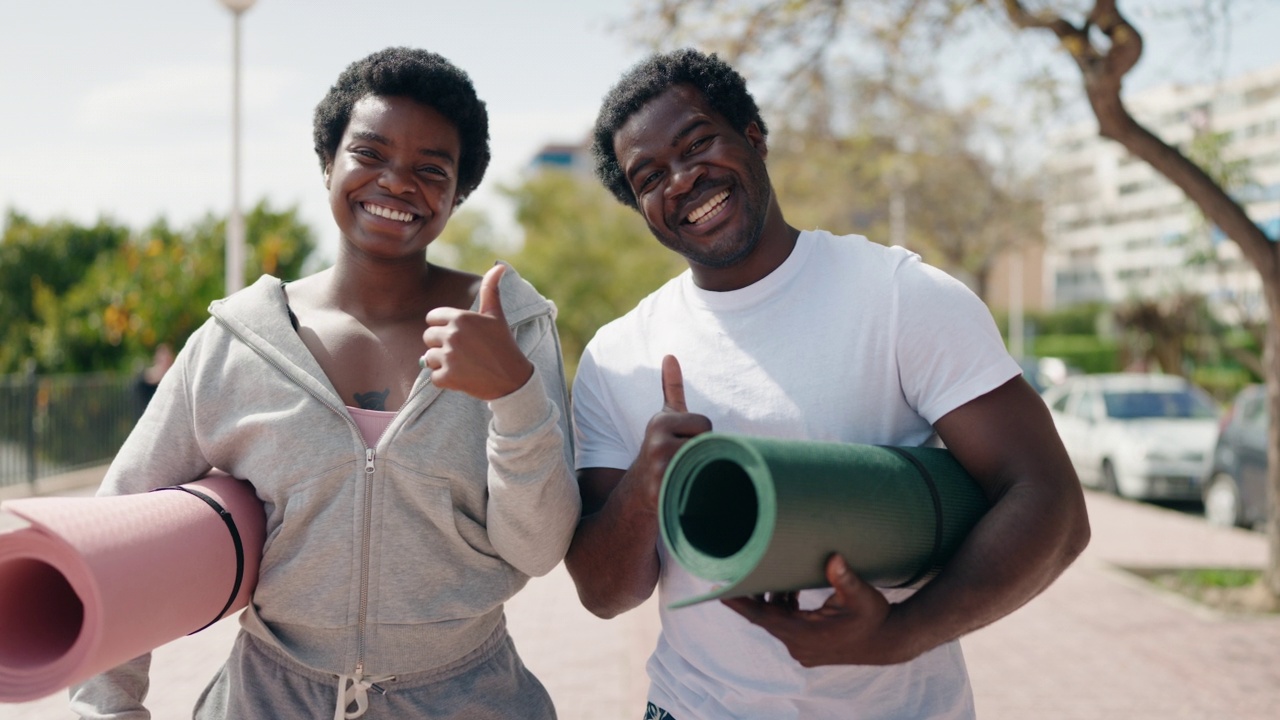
935, 557
235, 538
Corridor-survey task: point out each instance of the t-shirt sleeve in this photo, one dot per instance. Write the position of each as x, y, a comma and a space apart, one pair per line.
949, 350
597, 440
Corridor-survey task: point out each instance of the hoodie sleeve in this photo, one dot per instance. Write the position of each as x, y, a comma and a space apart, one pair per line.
534, 503
116, 694
160, 450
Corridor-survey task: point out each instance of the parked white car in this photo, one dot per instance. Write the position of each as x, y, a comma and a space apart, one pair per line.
1136, 435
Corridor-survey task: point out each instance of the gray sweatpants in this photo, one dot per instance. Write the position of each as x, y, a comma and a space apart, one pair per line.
491, 683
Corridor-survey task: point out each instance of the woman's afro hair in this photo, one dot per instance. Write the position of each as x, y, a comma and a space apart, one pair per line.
423, 77
722, 86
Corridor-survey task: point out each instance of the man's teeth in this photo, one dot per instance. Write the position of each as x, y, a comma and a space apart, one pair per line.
388, 213
707, 207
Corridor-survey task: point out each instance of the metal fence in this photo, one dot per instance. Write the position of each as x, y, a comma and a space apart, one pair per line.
51, 424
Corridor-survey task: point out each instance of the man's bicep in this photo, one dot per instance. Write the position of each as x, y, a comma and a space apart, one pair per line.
596, 484
1006, 436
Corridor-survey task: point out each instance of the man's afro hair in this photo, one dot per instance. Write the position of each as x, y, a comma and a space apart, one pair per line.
722, 86
421, 76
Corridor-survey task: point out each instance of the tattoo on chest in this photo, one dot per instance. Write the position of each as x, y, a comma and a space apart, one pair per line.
372, 400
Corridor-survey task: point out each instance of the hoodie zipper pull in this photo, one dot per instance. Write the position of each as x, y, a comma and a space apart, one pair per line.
368, 461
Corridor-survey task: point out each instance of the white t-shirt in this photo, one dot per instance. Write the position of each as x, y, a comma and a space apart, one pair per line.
847, 341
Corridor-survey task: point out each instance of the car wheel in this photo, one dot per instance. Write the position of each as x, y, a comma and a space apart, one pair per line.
1109, 483
1222, 501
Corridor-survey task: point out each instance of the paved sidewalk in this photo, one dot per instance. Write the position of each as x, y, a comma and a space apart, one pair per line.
1098, 644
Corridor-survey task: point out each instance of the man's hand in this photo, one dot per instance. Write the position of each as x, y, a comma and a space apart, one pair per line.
851, 628
666, 433
474, 352
614, 556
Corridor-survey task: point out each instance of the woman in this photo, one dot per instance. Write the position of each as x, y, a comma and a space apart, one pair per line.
403, 423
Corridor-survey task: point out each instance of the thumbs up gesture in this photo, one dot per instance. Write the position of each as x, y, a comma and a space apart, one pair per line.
667, 432
474, 352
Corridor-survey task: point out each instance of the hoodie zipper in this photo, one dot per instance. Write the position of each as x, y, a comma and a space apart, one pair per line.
365, 541
370, 455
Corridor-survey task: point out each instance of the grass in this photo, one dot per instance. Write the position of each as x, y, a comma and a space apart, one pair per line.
1212, 577
1232, 590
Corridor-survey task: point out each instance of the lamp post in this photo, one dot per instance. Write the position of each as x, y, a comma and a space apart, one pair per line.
902, 173
235, 223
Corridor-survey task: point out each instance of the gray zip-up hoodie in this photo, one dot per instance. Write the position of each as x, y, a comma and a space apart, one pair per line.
378, 560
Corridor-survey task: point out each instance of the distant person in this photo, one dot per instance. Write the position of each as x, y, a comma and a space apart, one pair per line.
404, 424
801, 335
148, 379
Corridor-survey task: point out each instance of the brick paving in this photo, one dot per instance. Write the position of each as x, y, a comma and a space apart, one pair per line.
1098, 644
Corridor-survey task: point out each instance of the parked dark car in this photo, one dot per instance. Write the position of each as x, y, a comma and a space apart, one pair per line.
1235, 492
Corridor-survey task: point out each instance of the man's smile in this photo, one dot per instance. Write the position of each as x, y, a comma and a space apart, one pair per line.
708, 210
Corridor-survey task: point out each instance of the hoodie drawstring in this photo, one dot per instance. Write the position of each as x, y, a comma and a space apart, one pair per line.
355, 689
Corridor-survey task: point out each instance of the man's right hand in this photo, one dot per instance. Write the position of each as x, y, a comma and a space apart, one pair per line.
614, 556
666, 433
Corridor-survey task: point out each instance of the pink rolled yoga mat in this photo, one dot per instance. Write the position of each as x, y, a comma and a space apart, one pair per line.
91, 582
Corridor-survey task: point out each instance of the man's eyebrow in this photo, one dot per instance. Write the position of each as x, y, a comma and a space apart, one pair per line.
697, 123
675, 140
370, 136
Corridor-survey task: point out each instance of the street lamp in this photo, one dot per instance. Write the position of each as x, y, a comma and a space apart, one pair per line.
235, 223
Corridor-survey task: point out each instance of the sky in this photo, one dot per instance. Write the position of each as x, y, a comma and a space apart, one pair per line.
121, 109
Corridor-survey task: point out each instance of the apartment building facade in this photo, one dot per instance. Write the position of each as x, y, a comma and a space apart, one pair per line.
1116, 229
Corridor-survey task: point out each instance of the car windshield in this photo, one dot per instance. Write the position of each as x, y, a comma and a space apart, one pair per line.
1157, 404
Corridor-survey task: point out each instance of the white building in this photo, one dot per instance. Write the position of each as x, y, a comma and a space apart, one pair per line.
1116, 229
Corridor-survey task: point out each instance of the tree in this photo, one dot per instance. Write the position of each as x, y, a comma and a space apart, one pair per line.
1155, 331
102, 298
911, 168
470, 242
38, 263
591, 255
1105, 47
1097, 37
967, 211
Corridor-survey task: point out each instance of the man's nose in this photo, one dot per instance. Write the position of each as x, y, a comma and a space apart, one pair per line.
683, 178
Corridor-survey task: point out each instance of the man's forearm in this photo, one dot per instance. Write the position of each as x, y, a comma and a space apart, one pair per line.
613, 558
1021, 545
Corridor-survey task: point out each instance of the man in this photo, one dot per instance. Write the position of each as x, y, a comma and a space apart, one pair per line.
802, 335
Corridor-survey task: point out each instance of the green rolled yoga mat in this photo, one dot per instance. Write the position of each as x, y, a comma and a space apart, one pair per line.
757, 515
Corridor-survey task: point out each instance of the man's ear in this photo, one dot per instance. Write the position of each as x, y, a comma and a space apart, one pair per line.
327, 167
756, 138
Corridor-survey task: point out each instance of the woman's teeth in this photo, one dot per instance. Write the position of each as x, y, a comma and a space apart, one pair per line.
388, 213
